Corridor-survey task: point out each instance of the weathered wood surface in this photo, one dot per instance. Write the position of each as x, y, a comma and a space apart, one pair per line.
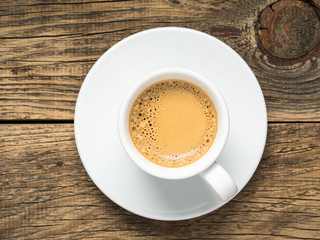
46, 193
47, 48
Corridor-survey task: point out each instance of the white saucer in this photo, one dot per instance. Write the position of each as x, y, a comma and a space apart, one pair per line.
106, 85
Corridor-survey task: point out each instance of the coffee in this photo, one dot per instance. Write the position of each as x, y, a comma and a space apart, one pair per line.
173, 123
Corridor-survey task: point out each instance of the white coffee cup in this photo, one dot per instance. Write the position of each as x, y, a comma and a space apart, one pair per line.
209, 170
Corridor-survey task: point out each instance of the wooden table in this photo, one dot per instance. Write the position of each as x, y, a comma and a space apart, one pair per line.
46, 50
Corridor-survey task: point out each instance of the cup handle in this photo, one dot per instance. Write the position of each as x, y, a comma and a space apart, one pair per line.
219, 180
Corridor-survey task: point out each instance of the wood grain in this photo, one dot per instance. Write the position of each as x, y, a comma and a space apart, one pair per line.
289, 29
47, 48
46, 193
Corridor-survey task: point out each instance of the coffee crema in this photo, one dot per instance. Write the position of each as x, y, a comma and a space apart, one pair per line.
173, 123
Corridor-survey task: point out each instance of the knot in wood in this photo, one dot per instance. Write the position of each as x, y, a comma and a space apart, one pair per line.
289, 29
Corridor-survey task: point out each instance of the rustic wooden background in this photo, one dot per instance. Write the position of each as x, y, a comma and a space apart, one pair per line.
46, 50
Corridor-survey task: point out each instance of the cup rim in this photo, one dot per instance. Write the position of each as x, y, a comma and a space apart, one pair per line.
208, 158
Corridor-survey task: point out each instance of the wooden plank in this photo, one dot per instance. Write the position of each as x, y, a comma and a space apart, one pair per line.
46, 193
48, 47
